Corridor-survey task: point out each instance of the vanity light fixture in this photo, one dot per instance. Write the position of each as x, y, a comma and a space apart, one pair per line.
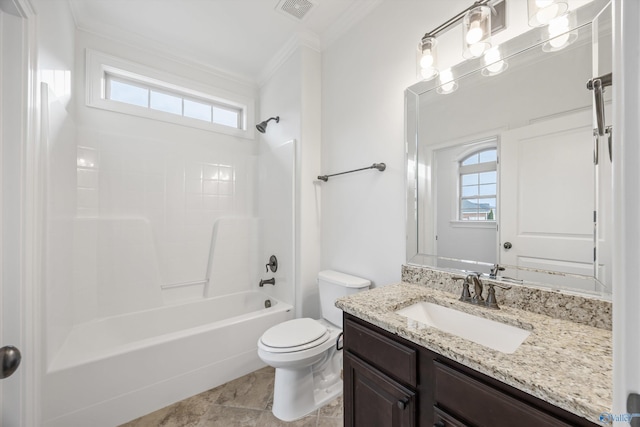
480, 20
541, 12
428, 57
476, 31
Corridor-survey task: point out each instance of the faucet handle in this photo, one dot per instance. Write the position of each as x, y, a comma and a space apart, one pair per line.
491, 301
491, 297
272, 264
494, 270
466, 295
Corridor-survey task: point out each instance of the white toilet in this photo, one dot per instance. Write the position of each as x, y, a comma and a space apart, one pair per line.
305, 351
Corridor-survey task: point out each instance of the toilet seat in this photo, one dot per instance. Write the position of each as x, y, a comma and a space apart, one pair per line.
294, 335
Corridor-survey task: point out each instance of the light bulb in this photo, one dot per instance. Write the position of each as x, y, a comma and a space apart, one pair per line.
447, 87
493, 61
477, 49
428, 73
496, 67
474, 34
427, 59
558, 25
446, 81
560, 41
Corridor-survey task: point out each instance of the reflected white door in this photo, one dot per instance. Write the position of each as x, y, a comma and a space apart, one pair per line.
552, 228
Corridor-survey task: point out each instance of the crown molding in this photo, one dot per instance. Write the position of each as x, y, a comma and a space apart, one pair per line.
354, 14
302, 39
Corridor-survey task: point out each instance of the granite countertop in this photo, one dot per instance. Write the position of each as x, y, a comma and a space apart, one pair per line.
565, 363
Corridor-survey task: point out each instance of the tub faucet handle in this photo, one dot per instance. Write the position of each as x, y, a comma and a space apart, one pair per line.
272, 264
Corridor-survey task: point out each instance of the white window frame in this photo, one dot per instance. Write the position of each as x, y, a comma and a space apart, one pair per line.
473, 169
99, 65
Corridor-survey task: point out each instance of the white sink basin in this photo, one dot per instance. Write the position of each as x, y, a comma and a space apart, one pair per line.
489, 333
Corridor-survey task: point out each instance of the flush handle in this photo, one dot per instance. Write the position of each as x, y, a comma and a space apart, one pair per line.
10, 357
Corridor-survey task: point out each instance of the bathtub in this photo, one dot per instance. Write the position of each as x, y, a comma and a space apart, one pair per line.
113, 370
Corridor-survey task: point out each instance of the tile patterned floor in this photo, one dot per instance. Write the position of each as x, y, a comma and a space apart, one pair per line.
243, 402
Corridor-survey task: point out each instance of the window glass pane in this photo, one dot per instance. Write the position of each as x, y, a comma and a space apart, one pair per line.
488, 177
174, 101
471, 160
470, 191
128, 93
225, 117
470, 179
164, 102
488, 156
478, 210
197, 110
487, 189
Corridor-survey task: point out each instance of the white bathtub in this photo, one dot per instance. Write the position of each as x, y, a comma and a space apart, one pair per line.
116, 369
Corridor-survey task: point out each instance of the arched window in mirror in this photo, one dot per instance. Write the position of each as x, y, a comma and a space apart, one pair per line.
478, 178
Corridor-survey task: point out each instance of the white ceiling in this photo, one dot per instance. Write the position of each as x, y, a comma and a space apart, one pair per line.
245, 38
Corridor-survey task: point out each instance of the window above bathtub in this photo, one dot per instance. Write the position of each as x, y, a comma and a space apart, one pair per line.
122, 86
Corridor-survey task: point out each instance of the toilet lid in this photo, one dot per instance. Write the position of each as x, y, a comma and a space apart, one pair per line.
293, 333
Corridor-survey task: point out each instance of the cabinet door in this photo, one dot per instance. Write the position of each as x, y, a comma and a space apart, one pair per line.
372, 399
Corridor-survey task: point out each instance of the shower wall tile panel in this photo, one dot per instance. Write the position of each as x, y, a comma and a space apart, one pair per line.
178, 188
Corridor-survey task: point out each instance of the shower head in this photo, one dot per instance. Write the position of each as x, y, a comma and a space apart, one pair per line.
262, 126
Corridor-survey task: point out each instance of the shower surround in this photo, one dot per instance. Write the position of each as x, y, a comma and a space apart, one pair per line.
155, 244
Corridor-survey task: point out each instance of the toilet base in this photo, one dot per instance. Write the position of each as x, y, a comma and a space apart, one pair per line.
298, 392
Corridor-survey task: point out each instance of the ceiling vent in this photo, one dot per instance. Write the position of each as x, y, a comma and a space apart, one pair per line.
297, 9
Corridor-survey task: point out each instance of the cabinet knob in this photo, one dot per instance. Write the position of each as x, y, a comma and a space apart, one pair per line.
402, 403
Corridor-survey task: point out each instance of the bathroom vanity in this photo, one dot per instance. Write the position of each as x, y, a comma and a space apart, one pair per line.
399, 372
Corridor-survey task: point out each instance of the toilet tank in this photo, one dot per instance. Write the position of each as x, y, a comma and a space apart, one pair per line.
333, 285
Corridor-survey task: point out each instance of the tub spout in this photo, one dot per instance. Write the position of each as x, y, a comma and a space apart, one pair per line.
271, 281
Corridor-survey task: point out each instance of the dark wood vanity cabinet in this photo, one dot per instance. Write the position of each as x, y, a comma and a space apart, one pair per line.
390, 381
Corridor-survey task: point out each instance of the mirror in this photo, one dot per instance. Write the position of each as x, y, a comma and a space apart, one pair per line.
501, 162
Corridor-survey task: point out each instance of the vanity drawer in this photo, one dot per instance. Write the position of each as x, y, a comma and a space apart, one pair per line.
442, 419
395, 359
482, 405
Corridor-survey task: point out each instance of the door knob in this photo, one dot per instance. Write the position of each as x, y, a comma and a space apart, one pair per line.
507, 245
10, 359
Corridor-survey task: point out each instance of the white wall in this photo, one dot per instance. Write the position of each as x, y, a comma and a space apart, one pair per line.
364, 77
293, 93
